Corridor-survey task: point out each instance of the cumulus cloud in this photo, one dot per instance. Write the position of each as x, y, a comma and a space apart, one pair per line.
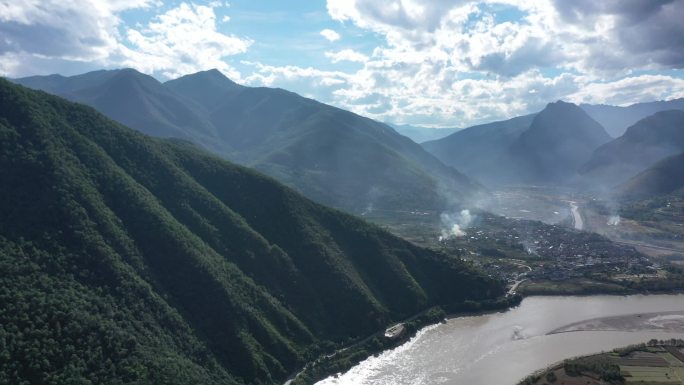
46, 33
630, 90
459, 62
346, 55
83, 30
330, 35
181, 41
436, 62
646, 34
584, 35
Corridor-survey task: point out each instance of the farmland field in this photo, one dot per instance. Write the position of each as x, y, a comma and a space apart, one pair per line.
655, 363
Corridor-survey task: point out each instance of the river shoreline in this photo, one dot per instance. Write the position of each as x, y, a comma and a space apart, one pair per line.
389, 367
439, 315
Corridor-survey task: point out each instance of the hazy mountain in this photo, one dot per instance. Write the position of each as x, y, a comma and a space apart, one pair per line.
331, 155
643, 144
560, 139
128, 259
422, 134
134, 99
663, 178
616, 119
547, 147
478, 150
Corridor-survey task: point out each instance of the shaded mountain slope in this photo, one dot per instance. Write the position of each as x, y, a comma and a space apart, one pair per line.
128, 259
560, 139
617, 119
301, 142
547, 147
663, 178
645, 143
332, 155
478, 150
134, 99
423, 134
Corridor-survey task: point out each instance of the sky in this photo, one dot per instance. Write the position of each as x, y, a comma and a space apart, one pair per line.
437, 63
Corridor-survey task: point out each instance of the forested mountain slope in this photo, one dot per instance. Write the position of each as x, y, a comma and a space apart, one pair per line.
330, 155
129, 260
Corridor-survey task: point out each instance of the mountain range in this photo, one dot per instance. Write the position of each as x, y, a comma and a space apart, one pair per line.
643, 144
131, 259
565, 144
559, 140
616, 119
330, 155
548, 147
478, 150
665, 177
422, 134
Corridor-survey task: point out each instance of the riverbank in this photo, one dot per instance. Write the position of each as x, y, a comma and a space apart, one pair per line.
670, 284
516, 342
670, 322
347, 357
657, 361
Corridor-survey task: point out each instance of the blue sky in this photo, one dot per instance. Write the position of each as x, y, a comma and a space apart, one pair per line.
432, 62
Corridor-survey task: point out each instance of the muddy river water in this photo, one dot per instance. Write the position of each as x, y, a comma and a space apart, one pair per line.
503, 348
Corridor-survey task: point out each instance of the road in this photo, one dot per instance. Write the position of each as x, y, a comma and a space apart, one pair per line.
649, 246
513, 288
517, 283
577, 218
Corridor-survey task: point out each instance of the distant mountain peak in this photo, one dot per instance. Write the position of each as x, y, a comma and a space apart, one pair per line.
648, 141
560, 139
132, 74
212, 77
213, 72
562, 105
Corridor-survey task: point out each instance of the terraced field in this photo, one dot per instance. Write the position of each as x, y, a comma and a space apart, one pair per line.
655, 363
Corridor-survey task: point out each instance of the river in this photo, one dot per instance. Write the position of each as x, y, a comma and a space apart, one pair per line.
503, 348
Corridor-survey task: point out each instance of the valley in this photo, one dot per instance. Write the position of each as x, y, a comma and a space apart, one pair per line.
341, 192
530, 234
308, 291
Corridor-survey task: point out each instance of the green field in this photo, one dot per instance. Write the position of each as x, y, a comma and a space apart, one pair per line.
655, 363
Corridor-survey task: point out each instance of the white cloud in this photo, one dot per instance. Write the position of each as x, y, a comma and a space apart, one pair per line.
448, 63
630, 90
330, 35
346, 55
460, 63
181, 41
40, 35
74, 30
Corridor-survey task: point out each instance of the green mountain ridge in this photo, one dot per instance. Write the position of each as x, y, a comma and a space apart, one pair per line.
129, 260
332, 156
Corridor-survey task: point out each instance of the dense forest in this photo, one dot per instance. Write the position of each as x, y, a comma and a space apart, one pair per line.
132, 260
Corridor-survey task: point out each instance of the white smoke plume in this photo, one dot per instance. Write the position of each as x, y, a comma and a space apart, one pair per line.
454, 225
368, 210
614, 220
